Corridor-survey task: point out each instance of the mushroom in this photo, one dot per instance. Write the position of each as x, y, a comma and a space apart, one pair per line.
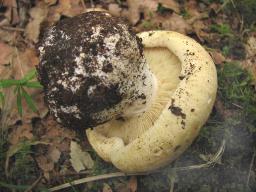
143, 99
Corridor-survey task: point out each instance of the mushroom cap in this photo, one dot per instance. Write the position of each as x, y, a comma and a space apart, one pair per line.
187, 86
92, 69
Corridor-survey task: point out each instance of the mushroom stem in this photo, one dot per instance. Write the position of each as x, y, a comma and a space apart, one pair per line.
148, 90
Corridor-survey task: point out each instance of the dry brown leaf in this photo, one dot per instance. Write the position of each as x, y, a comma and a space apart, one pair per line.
50, 2
191, 7
171, 4
68, 8
217, 56
24, 62
175, 22
7, 36
114, 9
146, 6
38, 15
251, 46
198, 27
106, 188
9, 3
21, 132
54, 154
6, 54
133, 184
80, 160
45, 165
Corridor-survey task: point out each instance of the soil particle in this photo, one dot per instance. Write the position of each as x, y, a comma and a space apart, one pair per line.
177, 110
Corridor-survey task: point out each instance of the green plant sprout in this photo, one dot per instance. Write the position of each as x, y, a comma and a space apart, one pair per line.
26, 82
222, 29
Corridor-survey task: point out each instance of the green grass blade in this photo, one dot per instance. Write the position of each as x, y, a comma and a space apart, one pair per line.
33, 84
30, 75
2, 98
19, 101
29, 100
9, 82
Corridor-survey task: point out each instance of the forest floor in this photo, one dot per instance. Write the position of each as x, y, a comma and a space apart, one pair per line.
37, 154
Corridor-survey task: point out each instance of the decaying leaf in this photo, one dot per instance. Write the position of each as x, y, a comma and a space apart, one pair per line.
133, 184
250, 61
38, 15
21, 132
175, 22
251, 46
45, 165
218, 58
16, 148
50, 2
147, 6
6, 55
80, 160
54, 153
67, 8
114, 9
106, 188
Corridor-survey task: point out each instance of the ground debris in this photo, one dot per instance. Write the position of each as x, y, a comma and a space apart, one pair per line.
80, 160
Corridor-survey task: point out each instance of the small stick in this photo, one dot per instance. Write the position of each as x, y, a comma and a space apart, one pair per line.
34, 184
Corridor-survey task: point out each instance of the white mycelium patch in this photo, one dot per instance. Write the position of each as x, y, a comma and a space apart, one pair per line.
64, 35
71, 109
96, 32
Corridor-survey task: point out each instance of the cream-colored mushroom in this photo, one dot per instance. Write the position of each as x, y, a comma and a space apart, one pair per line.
186, 91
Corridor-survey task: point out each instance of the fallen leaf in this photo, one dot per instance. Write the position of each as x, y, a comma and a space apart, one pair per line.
54, 154
20, 133
9, 3
218, 58
251, 46
175, 22
50, 2
16, 148
8, 36
114, 9
45, 165
133, 184
106, 188
171, 4
6, 55
38, 15
147, 7
69, 8
80, 160
198, 27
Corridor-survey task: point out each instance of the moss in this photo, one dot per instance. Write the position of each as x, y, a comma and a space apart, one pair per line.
246, 8
236, 89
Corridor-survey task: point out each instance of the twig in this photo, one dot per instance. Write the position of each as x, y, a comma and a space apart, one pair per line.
212, 161
251, 165
12, 28
238, 106
34, 184
89, 179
